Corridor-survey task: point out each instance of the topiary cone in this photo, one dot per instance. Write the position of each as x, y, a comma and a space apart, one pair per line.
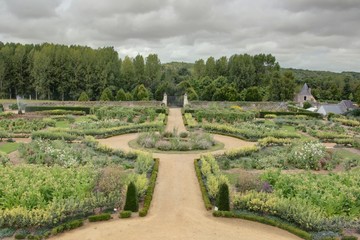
132, 201
223, 199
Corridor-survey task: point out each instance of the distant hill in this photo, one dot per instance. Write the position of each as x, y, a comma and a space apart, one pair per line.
302, 75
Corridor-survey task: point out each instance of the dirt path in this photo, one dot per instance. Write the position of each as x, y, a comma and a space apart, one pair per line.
177, 210
175, 121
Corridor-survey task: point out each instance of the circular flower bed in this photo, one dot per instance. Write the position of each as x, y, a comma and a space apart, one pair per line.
169, 141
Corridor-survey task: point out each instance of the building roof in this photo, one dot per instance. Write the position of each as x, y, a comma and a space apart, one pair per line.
331, 108
347, 104
305, 90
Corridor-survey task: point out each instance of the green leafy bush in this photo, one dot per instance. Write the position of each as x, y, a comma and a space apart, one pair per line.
307, 155
125, 214
83, 97
100, 217
132, 202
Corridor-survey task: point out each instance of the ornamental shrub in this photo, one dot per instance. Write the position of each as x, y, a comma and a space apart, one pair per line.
106, 95
132, 202
125, 214
307, 155
100, 217
223, 199
121, 95
83, 97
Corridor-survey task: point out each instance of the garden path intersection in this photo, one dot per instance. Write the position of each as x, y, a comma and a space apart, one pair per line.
177, 210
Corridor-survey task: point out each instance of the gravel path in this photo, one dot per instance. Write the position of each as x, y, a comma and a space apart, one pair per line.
177, 210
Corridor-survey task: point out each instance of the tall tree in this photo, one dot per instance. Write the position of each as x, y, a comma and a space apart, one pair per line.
199, 69
139, 66
211, 68
152, 71
127, 73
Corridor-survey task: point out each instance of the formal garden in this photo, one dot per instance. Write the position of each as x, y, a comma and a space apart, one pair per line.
289, 179
301, 174
64, 176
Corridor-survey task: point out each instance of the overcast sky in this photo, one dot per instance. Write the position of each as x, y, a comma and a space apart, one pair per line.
308, 34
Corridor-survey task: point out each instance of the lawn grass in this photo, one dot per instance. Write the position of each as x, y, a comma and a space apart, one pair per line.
233, 177
9, 147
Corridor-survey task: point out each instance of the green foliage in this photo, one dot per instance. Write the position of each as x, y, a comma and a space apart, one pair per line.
4, 158
47, 108
121, 95
140, 93
21, 125
41, 196
6, 232
132, 202
67, 226
170, 142
332, 195
150, 190
106, 95
143, 163
83, 97
349, 238
125, 214
100, 217
204, 193
249, 131
307, 155
307, 105
223, 198
307, 113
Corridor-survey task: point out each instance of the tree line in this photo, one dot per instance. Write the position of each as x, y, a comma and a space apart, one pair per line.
60, 72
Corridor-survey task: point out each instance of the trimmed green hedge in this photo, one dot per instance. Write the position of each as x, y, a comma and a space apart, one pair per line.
265, 220
46, 108
204, 193
125, 214
150, 190
67, 226
100, 217
262, 114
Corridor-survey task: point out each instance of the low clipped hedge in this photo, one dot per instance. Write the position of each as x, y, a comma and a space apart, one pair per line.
47, 108
262, 114
100, 217
125, 214
204, 193
67, 226
150, 190
265, 220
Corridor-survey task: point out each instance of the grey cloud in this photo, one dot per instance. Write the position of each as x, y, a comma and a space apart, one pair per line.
33, 8
308, 34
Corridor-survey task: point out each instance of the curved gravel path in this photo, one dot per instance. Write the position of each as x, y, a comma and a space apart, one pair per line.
177, 210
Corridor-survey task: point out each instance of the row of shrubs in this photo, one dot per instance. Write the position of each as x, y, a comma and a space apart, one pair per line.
150, 190
48, 108
262, 114
74, 134
204, 193
246, 133
266, 220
